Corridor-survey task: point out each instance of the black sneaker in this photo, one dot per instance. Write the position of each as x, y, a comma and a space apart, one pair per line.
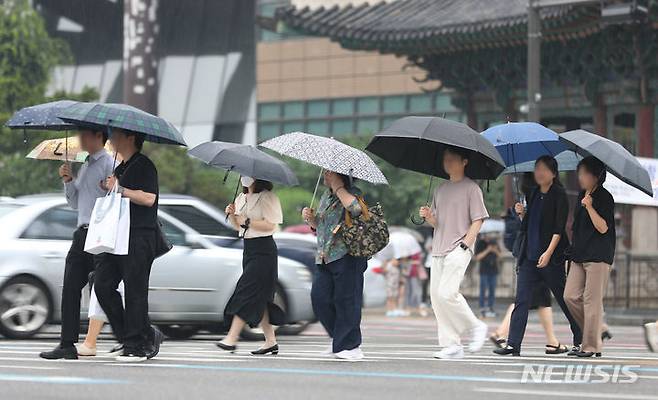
132, 355
61, 353
154, 348
574, 351
116, 350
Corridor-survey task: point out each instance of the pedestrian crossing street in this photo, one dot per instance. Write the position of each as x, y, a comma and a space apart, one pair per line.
396, 350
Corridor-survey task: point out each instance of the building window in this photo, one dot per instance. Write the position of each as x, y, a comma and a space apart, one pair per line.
268, 130
342, 127
368, 105
395, 104
421, 103
444, 103
367, 125
293, 110
318, 127
318, 108
343, 107
294, 126
269, 111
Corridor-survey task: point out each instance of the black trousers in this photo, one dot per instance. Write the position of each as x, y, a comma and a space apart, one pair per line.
132, 327
76, 275
528, 278
337, 297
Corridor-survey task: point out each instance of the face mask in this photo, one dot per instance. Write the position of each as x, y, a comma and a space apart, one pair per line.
247, 181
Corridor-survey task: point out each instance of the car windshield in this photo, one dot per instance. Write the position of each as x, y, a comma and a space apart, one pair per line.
7, 208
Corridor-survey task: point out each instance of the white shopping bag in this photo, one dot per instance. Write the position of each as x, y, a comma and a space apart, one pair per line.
123, 229
104, 223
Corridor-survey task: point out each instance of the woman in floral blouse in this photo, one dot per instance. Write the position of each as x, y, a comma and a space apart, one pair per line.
337, 293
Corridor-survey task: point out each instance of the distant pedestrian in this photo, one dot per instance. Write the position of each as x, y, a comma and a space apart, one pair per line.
256, 215
592, 254
337, 293
392, 276
81, 193
487, 253
543, 251
651, 336
457, 214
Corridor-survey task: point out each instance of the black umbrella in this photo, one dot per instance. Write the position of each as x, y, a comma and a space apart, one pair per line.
245, 160
418, 143
618, 161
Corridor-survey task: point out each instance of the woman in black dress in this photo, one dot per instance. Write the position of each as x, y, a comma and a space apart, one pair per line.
255, 215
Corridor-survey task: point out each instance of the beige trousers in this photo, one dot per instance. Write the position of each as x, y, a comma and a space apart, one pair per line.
453, 315
583, 293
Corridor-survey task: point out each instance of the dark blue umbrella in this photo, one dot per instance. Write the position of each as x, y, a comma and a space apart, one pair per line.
519, 142
42, 117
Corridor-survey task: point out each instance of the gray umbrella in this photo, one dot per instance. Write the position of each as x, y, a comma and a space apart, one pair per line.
41, 117
245, 160
618, 161
417, 144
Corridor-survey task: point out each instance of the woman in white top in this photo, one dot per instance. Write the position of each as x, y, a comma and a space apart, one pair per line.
255, 215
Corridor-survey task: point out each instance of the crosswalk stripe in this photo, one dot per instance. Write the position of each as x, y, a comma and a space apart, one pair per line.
553, 393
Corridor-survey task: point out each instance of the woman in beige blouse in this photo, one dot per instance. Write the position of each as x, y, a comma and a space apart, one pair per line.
255, 215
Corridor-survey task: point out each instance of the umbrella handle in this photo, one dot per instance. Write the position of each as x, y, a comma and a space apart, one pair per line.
315, 191
235, 195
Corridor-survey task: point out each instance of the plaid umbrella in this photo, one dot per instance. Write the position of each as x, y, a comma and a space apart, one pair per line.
123, 116
41, 117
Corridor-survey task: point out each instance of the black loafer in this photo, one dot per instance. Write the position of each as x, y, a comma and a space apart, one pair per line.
584, 354
606, 335
227, 347
274, 350
507, 350
61, 353
158, 338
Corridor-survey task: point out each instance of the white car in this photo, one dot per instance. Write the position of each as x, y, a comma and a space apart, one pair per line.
189, 286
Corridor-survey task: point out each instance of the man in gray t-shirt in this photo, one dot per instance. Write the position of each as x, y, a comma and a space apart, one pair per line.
457, 213
81, 192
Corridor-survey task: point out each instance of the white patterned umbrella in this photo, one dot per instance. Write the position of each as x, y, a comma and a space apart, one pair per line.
327, 153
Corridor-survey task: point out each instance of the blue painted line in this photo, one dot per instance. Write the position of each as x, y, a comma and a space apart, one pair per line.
357, 374
67, 380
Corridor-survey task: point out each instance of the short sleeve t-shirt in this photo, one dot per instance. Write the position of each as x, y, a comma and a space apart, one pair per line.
258, 206
489, 264
456, 205
590, 245
139, 173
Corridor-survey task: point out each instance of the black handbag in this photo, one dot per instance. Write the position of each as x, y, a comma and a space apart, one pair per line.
162, 244
519, 244
366, 234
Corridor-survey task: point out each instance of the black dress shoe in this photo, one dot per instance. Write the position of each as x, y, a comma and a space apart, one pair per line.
507, 350
61, 353
574, 351
261, 352
158, 338
588, 354
227, 347
606, 335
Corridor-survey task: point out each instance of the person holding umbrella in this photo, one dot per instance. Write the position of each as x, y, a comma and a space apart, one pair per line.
592, 254
542, 253
81, 192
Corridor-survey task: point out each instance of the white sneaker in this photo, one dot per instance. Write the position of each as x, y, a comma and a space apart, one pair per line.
478, 337
390, 313
350, 355
651, 336
85, 351
450, 352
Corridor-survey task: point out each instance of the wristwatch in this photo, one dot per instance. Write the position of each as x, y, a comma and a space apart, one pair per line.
245, 226
464, 246
120, 190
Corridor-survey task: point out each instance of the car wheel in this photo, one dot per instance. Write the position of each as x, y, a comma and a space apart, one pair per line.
256, 334
24, 307
179, 332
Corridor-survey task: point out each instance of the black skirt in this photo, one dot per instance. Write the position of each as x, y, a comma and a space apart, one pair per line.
254, 292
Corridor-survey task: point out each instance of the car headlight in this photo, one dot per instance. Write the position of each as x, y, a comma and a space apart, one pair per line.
304, 274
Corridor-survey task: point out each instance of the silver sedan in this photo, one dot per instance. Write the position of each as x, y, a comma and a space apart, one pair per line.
189, 286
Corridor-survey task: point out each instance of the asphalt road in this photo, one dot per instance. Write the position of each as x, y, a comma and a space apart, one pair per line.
398, 365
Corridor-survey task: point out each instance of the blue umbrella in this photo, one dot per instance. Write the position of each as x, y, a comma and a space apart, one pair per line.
518, 142
566, 161
41, 117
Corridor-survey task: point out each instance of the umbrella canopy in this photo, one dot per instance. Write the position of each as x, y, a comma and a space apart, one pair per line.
618, 161
42, 117
123, 116
566, 161
518, 142
418, 143
328, 154
401, 244
56, 149
245, 160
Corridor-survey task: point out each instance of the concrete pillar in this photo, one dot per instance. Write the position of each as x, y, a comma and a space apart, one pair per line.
645, 130
644, 233
601, 117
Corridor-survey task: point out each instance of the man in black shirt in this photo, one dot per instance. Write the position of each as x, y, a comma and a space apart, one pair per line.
487, 252
138, 180
592, 254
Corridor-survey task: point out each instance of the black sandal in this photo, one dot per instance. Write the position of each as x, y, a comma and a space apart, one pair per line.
559, 349
498, 341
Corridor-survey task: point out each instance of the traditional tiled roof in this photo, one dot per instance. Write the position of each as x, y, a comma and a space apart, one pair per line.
435, 26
